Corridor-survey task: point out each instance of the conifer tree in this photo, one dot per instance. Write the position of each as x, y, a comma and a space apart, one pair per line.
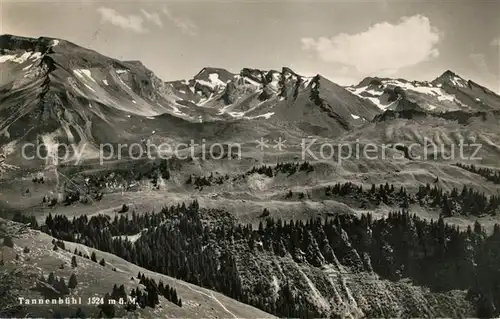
72, 281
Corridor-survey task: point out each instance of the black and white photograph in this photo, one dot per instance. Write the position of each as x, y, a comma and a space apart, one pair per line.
249, 159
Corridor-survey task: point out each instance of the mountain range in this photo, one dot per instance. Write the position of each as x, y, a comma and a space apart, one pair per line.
52, 88
275, 232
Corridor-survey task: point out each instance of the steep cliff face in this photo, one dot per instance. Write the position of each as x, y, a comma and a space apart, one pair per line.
327, 275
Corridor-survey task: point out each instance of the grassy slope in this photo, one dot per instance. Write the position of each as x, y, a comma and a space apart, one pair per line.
96, 280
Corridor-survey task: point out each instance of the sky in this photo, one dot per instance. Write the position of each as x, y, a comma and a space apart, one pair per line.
344, 41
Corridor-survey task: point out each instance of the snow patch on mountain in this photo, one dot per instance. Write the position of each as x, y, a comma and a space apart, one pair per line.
36, 56
128, 87
84, 73
458, 81
379, 103
274, 82
89, 87
247, 81
307, 81
204, 101
213, 82
21, 58
237, 114
7, 57
205, 83
214, 78
267, 116
178, 112
374, 96
426, 94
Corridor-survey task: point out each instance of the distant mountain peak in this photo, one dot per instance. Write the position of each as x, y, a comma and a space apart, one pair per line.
209, 70
134, 62
450, 78
448, 73
370, 80
286, 70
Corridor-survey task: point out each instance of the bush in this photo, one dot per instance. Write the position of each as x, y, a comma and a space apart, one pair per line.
7, 241
72, 282
80, 313
51, 279
124, 209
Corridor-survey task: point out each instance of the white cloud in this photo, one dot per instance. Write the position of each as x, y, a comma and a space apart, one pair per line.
152, 17
184, 23
308, 43
131, 22
495, 42
384, 47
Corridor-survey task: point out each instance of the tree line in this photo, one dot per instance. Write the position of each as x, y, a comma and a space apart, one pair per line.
270, 171
488, 173
456, 202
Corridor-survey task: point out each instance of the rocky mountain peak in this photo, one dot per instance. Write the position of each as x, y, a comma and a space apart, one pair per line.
450, 78
208, 73
369, 81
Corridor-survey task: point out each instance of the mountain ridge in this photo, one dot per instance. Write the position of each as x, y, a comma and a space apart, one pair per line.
54, 90
25, 40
